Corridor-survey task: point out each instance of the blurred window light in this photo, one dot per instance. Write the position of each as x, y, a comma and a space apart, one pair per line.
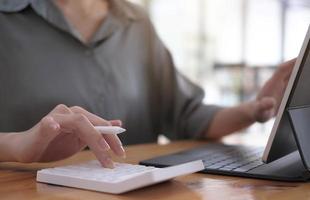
176, 22
263, 32
202, 34
297, 22
224, 25
230, 47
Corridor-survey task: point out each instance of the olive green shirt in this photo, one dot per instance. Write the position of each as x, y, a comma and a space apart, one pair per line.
125, 72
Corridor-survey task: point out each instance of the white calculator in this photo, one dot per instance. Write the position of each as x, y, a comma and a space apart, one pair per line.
123, 178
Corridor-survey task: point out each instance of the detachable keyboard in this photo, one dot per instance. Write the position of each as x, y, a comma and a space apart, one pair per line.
233, 158
124, 177
217, 158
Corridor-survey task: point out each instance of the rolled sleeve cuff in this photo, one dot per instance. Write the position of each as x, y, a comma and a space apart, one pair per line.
200, 120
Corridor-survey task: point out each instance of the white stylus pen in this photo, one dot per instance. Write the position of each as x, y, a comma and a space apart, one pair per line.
110, 129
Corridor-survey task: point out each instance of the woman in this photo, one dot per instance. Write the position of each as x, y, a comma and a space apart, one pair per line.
68, 65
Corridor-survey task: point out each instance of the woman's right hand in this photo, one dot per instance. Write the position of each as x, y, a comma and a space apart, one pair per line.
62, 133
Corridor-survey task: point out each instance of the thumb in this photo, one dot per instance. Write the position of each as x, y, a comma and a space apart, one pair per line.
264, 109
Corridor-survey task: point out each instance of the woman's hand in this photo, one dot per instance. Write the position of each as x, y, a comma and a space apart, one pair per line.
269, 97
62, 133
264, 107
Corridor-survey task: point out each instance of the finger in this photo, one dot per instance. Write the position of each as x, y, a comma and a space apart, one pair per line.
96, 120
290, 65
286, 68
267, 103
115, 144
49, 128
61, 109
265, 116
116, 122
113, 140
84, 129
265, 109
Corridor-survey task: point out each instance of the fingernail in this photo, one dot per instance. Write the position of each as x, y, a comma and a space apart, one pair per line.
118, 122
123, 153
108, 163
104, 145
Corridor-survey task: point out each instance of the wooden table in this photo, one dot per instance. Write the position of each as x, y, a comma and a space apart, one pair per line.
17, 181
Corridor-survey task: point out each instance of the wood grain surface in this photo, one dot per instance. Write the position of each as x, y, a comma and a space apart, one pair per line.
17, 181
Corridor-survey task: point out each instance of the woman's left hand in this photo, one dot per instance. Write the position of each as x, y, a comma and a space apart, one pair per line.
270, 96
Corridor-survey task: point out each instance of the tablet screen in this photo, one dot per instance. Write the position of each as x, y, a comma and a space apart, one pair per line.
283, 141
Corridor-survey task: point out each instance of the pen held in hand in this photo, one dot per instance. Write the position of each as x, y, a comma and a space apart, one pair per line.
110, 129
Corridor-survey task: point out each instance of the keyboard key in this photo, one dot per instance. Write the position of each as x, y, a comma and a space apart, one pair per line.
215, 166
247, 167
233, 166
225, 169
95, 171
233, 158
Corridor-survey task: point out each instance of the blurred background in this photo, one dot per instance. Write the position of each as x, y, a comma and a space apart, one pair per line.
231, 47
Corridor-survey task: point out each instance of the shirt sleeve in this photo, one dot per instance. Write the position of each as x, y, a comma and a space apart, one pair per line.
179, 102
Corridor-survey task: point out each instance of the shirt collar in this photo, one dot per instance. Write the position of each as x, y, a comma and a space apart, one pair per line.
13, 5
19, 5
120, 15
